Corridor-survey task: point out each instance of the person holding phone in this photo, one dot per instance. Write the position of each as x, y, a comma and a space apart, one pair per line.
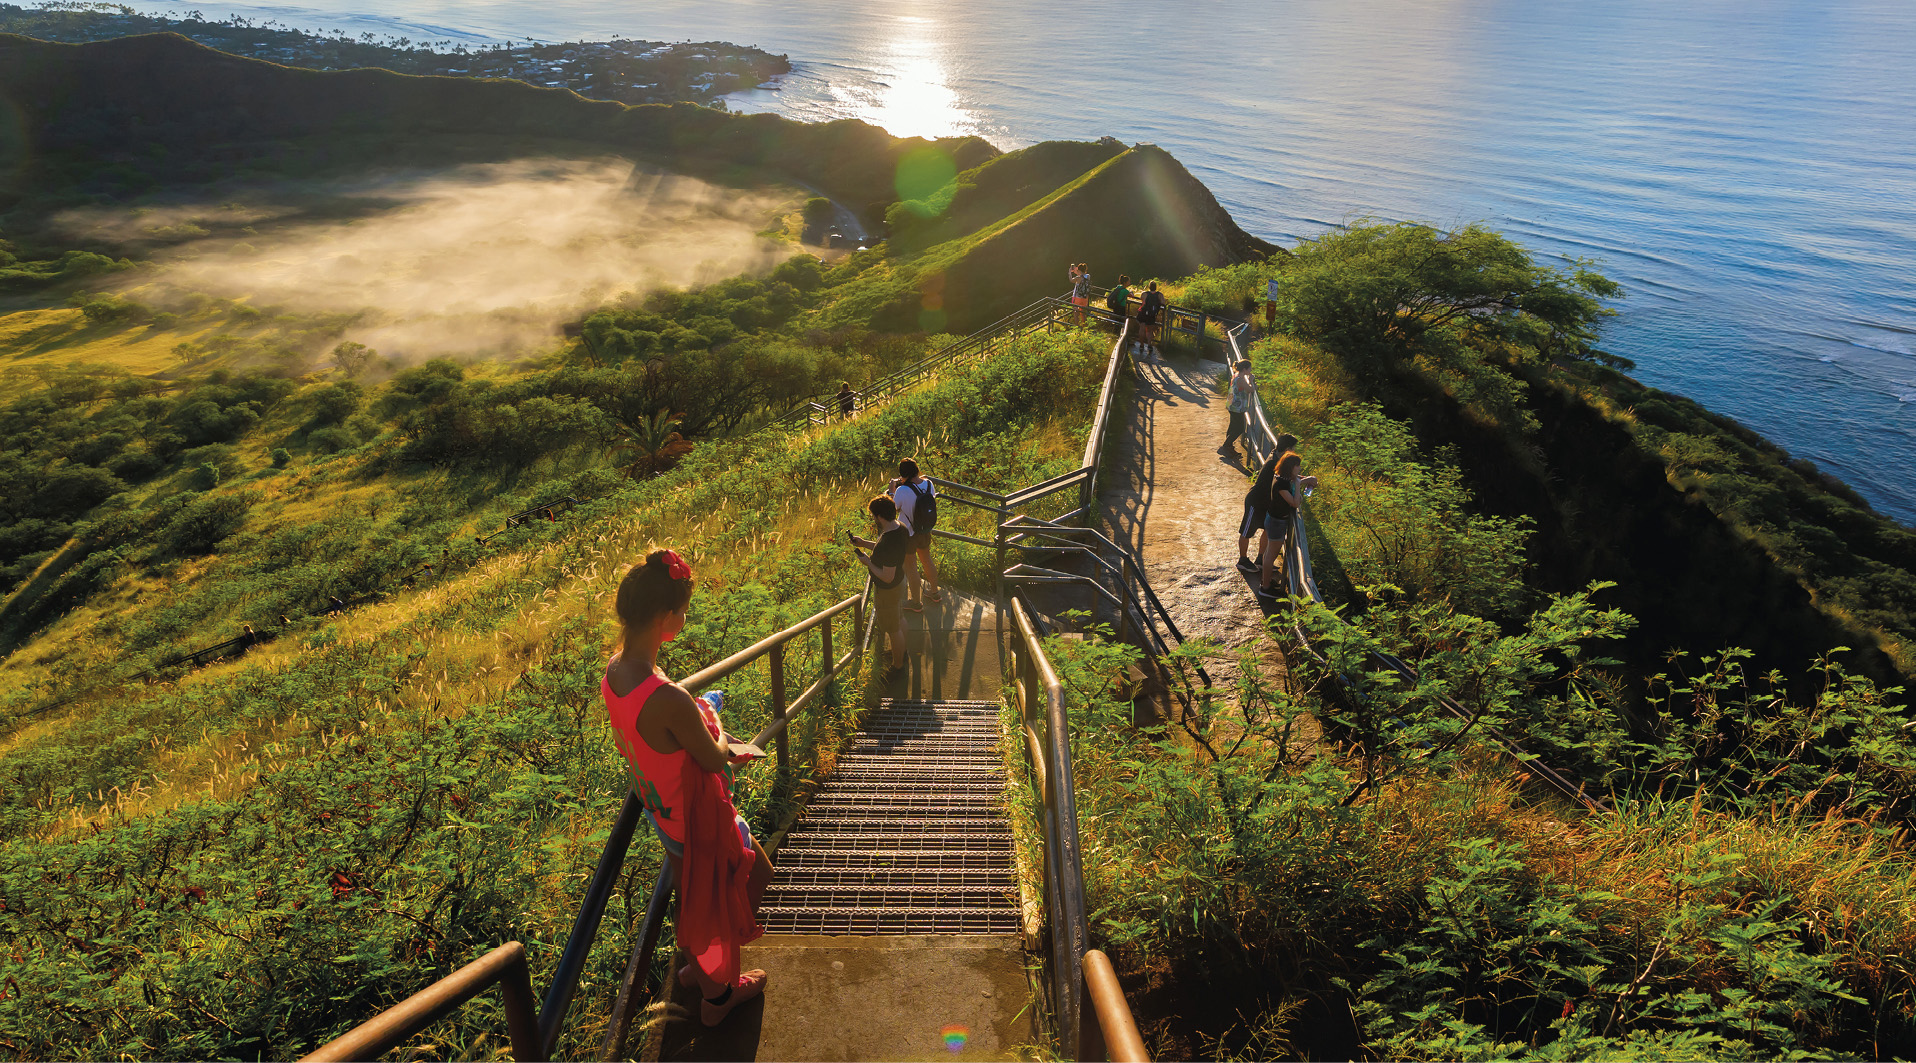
887, 566
679, 758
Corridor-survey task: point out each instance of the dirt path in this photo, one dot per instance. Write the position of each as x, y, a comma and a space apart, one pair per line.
1174, 500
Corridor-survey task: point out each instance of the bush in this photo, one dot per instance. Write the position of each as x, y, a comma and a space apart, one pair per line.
281, 457
203, 523
206, 477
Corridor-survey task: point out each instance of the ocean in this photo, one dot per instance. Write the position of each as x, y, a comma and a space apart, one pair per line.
1746, 169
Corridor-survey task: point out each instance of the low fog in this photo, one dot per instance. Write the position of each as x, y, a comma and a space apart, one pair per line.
485, 259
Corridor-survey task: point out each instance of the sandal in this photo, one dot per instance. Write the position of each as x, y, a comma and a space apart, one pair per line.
750, 984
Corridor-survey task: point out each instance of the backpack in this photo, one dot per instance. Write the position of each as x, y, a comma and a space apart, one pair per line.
924, 509
1115, 300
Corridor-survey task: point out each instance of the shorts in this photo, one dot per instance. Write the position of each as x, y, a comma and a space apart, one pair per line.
1080, 300
920, 540
1277, 527
888, 607
1253, 520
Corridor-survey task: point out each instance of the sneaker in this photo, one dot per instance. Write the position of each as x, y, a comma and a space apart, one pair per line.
1266, 592
750, 984
914, 605
1245, 564
935, 597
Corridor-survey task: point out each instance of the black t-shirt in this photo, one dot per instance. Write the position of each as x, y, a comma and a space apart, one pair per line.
1279, 508
1153, 302
1260, 495
890, 553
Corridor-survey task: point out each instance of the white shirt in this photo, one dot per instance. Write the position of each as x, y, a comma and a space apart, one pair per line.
906, 496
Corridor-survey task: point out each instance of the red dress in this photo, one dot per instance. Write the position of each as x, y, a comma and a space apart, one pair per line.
694, 808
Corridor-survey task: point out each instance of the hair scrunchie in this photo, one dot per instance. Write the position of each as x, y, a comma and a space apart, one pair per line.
675, 565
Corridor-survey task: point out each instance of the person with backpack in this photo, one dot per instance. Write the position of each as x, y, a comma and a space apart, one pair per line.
1149, 308
917, 500
1080, 277
847, 399
1118, 300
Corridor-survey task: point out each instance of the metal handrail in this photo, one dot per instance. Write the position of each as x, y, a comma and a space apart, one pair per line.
1064, 868
1302, 583
536, 1036
504, 966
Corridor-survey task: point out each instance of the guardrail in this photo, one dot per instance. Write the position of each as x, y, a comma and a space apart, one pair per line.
1262, 440
538, 1039
1077, 971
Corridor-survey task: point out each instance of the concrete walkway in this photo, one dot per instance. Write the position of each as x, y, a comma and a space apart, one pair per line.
1176, 502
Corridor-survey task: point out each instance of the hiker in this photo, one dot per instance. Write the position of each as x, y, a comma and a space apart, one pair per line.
1149, 307
1280, 508
887, 566
680, 757
1118, 300
1080, 275
1243, 393
917, 500
847, 399
1256, 501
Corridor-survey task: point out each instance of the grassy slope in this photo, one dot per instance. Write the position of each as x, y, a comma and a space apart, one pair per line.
1138, 212
264, 851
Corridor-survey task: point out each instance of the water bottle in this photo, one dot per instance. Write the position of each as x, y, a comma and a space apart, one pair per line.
716, 699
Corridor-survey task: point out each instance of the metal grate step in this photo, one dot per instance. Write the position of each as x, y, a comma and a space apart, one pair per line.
892, 859
889, 921
908, 835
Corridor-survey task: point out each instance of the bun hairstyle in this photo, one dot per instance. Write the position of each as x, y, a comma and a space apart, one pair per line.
883, 508
662, 583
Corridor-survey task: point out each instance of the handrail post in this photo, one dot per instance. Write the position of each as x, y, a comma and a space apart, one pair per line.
522, 1011
778, 701
826, 660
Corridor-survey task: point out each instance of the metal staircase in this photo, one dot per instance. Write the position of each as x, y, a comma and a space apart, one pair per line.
908, 836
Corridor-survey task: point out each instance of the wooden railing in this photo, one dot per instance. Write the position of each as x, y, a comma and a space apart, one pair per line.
537, 1038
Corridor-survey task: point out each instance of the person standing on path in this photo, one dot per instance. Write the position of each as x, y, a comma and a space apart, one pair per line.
917, 500
1278, 520
1149, 307
1080, 275
1118, 300
847, 399
1256, 501
887, 566
1243, 393
679, 755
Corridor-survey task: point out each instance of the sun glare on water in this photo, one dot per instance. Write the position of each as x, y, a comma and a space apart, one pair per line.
914, 97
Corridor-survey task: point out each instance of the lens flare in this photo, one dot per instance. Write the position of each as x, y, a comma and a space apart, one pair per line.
955, 1037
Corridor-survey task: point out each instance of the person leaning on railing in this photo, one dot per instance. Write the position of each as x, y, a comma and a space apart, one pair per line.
680, 760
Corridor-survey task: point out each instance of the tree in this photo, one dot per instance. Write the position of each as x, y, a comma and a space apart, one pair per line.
1382, 291
353, 358
653, 444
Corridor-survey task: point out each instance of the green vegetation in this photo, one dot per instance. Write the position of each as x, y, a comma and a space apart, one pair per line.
1712, 536
248, 859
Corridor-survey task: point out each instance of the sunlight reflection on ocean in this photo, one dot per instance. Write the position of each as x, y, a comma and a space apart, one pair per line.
1747, 170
